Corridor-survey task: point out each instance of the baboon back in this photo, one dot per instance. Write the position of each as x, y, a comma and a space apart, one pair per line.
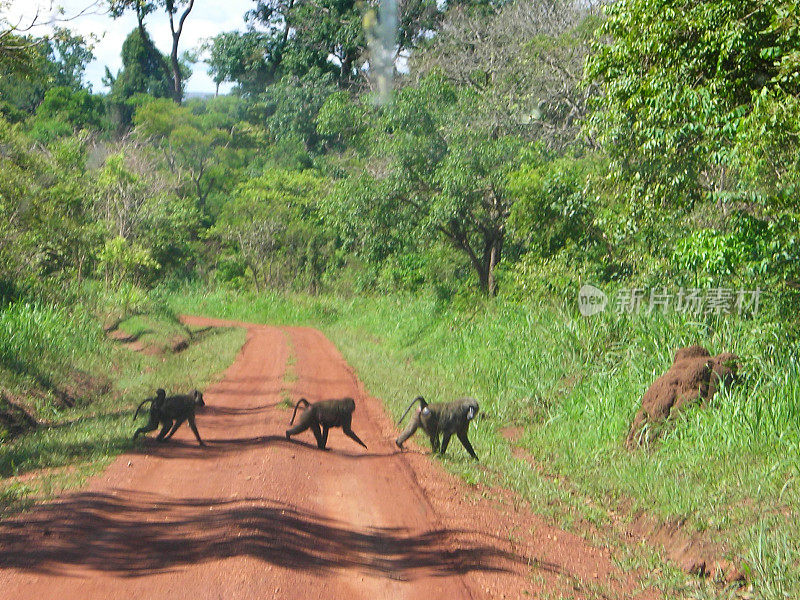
450, 416
176, 407
334, 413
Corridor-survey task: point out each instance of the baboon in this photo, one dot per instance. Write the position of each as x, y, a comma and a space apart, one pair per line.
327, 414
170, 413
446, 418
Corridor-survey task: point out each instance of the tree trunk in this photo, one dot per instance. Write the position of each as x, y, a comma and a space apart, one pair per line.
347, 67
177, 76
255, 277
482, 264
495, 253
80, 259
149, 43
485, 264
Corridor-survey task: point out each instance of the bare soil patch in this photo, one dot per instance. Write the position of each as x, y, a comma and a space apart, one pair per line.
692, 553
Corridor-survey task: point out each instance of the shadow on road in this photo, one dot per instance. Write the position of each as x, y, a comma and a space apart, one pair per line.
133, 534
173, 449
229, 411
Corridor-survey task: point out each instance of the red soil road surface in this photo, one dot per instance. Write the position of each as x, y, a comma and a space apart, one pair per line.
256, 516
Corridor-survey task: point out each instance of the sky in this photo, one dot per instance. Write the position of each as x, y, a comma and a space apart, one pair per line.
208, 18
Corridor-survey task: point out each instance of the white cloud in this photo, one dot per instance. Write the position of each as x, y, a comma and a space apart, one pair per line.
207, 19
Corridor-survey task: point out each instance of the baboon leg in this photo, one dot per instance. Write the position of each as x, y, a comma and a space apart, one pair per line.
146, 429
172, 431
325, 430
303, 423
445, 440
318, 434
346, 422
164, 430
434, 437
196, 433
462, 435
409, 431
351, 434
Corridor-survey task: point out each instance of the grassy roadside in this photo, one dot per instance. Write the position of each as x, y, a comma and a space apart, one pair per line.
571, 386
50, 353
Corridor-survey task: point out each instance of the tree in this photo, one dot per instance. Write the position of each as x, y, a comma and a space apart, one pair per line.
69, 55
524, 58
310, 33
17, 51
272, 221
149, 229
196, 150
328, 35
142, 73
142, 8
250, 59
56, 60
71, 236
552, 212
288, 108
434, 171
20, 175
122, 195
78, 109
47, 226
766, 151
678, 80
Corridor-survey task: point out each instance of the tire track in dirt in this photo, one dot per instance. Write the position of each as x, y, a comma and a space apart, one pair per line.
256, 516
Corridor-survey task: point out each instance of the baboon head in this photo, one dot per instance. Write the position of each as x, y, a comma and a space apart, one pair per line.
198, 398
472, 409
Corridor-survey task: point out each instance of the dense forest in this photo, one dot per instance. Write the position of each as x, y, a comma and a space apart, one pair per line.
460, 167
523, 147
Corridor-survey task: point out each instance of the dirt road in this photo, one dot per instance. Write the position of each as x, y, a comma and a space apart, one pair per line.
256, 516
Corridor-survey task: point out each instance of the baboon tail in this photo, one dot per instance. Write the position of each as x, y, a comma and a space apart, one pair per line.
422, 404
294, 414
140, 406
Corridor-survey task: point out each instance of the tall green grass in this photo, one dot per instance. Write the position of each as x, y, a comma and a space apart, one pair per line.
573, 384
33, 336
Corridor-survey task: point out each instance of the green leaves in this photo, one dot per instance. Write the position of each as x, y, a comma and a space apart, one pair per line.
250, 59
77, 108
272, 222
121, 260
678, 79
200, 150
432, 173
343, 121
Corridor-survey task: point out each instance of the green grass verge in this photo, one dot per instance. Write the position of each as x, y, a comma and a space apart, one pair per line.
572, 385
156, 333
